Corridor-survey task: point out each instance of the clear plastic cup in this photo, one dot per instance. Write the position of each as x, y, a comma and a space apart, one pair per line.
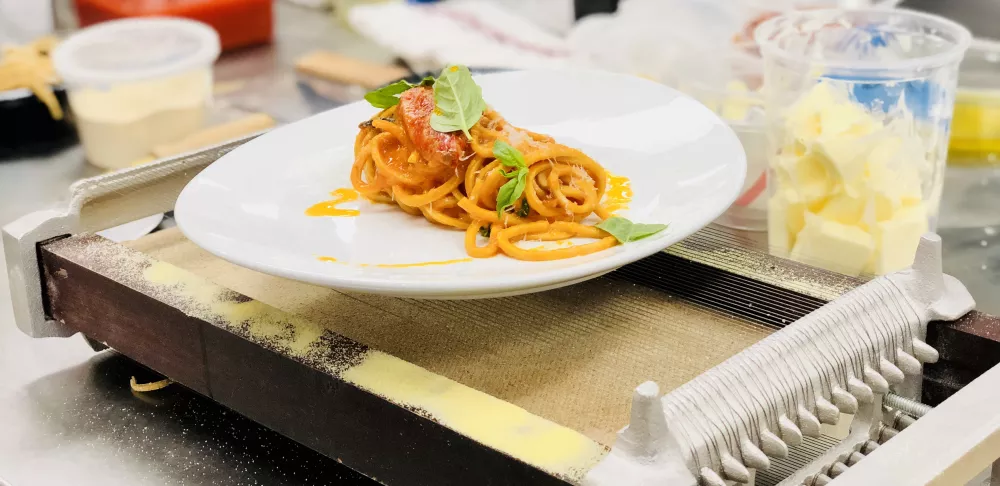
743, 109
859, 105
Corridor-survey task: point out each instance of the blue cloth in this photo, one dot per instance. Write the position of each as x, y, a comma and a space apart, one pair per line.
882, 94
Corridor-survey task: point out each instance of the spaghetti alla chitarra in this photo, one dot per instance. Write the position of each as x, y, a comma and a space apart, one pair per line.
30, 67
438, 151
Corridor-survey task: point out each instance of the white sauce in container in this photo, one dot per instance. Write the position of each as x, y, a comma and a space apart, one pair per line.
137, 83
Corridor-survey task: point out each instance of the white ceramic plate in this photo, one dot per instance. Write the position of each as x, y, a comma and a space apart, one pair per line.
686, 166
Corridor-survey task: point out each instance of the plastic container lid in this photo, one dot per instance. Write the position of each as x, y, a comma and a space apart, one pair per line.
884, 43
135, 49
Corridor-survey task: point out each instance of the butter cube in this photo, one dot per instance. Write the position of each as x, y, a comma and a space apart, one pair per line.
803, 119
844, 209
845, 118
844, 158
896, 239
808, 175
833, 246
796, 209
894, 168
779, 239
785, 218
826, 110
892, 187
886, 152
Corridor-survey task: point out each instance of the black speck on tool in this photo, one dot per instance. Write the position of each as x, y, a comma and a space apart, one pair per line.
337, 351
583, 8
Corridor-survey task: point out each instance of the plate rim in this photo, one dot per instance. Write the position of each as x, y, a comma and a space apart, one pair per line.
440, 288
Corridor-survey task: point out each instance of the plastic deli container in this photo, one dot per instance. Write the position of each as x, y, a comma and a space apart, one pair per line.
859, 105
136, 83
743, 108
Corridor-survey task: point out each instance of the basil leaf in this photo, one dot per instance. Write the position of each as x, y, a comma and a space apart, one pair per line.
510, 192
484, 231
508, 155
625, 231
427, 81
505, 197
522, 181
458, 101
387, 96
525, 209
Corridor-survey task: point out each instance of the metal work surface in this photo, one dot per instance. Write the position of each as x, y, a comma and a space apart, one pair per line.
70, 418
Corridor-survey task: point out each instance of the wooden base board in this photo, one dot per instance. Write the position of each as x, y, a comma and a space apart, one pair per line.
300, 379
524, 389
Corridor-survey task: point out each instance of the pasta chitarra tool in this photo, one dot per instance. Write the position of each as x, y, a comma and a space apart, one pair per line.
742, 368
841, 359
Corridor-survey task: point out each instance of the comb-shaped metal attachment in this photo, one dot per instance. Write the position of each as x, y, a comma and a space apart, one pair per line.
842, 358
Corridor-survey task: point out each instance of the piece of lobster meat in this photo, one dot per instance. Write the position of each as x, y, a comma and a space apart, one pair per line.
414, 111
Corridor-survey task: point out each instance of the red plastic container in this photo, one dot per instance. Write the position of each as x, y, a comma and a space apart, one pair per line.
240, 23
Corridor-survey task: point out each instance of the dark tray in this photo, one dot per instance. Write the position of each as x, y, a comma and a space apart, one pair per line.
28, 129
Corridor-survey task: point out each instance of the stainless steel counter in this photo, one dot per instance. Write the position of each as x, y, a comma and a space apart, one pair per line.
67, 415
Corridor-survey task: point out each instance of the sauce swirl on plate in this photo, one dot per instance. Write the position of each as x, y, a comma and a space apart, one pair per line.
329, 208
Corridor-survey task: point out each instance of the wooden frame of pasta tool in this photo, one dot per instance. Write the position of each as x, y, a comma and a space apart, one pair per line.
431, 392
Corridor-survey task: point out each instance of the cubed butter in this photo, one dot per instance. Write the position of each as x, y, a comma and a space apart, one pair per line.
885, 152
832, 245
848, 193
864, 127
785, 218
891, 188
796, 209
824, 110
803, 121
844, 158
896, 240
843, 209
894, 170
844, 118
808, 176
779, 239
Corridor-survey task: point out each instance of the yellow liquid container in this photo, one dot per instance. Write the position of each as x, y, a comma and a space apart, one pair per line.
975, 131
